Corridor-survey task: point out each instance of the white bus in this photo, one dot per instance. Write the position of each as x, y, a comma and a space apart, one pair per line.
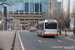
48, 28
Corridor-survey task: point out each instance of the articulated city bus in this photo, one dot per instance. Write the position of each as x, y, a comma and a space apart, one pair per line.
48, 28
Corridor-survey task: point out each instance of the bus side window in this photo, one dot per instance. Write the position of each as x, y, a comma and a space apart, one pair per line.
38, 27
42, 26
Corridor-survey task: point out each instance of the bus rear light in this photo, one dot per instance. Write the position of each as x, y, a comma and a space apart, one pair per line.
48, 23
57, 30
44, 30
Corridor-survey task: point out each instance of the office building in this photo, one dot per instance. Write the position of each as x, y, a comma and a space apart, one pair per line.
24, 11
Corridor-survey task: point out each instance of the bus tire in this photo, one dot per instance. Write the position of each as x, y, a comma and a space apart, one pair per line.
34, 31
53, 36
41, 35
38, 34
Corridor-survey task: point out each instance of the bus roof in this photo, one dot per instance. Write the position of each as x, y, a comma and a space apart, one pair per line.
48, 20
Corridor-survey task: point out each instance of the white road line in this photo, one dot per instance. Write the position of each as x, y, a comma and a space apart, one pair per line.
59, 41
31, 36
21, 42
39, 40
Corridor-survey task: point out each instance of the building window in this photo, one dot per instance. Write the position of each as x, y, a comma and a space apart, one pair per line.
26, 19
26, 7
14, 16
31, 16
21, 13
31, 19
28, 16
21, 16
26, 13
36, 19
31, 7
15, 13
40, 19
37, 7
37, 16
22, 19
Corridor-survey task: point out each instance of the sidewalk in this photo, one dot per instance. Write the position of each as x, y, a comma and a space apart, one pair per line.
68, 33
6, 39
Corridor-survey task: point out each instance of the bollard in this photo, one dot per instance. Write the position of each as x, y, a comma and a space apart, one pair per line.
60, 32
65, 33
1, 49
11, 48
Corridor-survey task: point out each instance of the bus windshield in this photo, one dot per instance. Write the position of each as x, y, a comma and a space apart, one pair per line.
50, 25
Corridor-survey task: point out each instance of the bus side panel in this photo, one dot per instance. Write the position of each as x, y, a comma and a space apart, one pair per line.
40, 28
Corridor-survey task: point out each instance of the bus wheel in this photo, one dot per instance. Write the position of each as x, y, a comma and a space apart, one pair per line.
38, 34
34, 31
53, 36
41, 34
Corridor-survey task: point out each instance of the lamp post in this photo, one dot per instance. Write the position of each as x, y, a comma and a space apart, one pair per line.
4, 5
4, 16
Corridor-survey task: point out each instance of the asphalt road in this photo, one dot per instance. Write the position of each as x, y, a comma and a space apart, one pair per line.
31, 41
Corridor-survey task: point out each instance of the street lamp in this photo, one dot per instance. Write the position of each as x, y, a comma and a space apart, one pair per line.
5, 14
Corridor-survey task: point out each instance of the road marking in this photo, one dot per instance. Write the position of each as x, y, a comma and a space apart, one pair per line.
59, 41
31, 36
21, 42
39, 40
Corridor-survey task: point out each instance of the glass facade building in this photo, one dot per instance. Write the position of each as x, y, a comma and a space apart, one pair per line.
25, 6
